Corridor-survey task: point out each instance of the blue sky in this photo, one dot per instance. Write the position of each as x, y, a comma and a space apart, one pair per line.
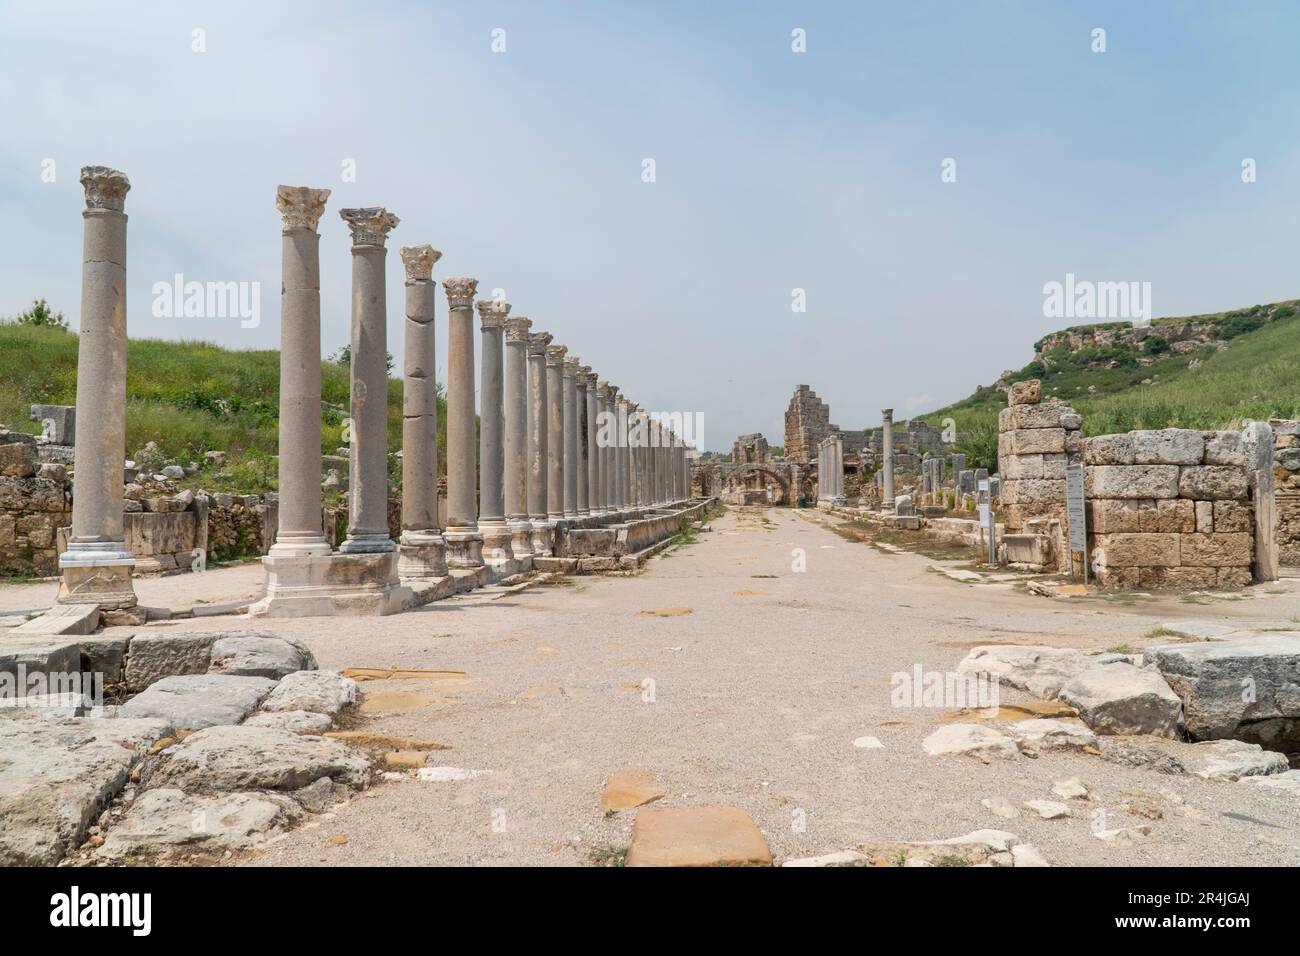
774, 171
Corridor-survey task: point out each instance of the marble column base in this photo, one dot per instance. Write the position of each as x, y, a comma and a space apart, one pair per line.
521, 537
421, 554
377, 542
334, 585
107, 585
542, 538
464, 548
496, 542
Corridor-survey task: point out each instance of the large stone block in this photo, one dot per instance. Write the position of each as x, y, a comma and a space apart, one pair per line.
1168, 446
1032, 491
1175, 515
1231, 516
257, 654
1118, 698
151, 657
1131, 481
1108, 450
1037, 441
1137, 550
1115, 515
1225, 448
17, 460
158, 532
1025, 393
1218, 550
1246, 689
1213, 482
1178, 579
1023, 466
1038, 416
195, 701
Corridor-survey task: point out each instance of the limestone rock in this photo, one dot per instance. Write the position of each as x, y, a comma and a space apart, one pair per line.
1001, 807
257, 758
1048, 809
696, 836
1123, 836
1288, 782
195, 701
842, 858
1212, 482
168, 819
259, 655
1022, 854
321, 692
1245, 688
1034, 736
630, 788
1025, 393
1070, 789
972, 739
56, 776
1234, 759
294, 721
1132, 481
1038, 669
979, 847
151, 657
1168, 446
1119, 698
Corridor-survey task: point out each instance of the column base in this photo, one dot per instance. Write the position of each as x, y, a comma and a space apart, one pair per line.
371, 542
300, 545
521, 542
541, 538
464, 548
496, 542
97, 572
421, 555
333, 585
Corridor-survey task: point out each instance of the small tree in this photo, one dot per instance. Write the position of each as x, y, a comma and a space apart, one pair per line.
41, 314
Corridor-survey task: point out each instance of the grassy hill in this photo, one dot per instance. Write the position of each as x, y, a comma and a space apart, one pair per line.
188, 397
1245, 368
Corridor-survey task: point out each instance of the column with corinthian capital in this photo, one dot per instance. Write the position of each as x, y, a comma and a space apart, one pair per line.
491, 429
595, 501
537, 444
570, 407
555, 433
421, 545
580, 379
464, 543
516, 440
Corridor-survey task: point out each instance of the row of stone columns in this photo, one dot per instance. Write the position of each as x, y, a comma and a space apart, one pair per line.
553, 443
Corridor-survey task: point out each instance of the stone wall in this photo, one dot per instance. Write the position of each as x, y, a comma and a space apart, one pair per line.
1286, 470
1169, 509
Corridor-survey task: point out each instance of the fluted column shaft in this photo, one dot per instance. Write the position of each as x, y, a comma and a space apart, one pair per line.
368, 462
555, 432
97, 565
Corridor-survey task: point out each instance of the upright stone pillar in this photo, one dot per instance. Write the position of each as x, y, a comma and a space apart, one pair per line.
538, 465
97, 565
464, 543
421, 546
368, 462
571, 463
516, 490
618, 475
301, 531
555, 434
491, 460
594, 457
639, 430
837, 450
581, 381
606, 435
887, 452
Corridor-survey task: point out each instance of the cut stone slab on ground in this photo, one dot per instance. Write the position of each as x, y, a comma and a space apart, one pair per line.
696, 836
195, 701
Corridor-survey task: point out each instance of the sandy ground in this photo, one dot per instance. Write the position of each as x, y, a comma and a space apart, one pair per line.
757, 696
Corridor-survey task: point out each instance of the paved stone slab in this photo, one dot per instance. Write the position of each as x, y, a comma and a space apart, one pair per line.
971, 739
630, 788
38, 655
1118, 698
696, 836
151, 657
63, 619
992, 847
321, 692
104, 655
294, 721
56, 776
257, 758
259, 654
1038, 669
195, 701
168, 819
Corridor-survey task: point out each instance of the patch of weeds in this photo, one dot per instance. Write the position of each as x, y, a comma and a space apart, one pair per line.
901, 859
950, 861
1126, 648
607, 854
1159, 632
762, 575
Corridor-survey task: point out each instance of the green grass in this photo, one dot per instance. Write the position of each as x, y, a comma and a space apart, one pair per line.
188, 397
1253, 379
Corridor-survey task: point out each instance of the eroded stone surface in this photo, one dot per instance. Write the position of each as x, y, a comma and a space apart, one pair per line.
294, 721
151, 657
195, 701
260, 655
257, 758
630, 788
1234, 759
696, 836
972, 739
1038, 669
1118, 698
168, 819
321, 692
1034, 736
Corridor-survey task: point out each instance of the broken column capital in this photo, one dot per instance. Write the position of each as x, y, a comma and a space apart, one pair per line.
492, 314
419, 262
105, 188
300, 206
538, 341
517, 330
370, 225
555, 355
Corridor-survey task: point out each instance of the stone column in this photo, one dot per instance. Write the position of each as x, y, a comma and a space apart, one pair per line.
491, 429
516, 490
606, 435
618, 472
300, 531
571, 463
887, 466
837, 449
97, 566
594, 456
421, 545
652, 463
537, 444
368, 461
555, 432
581, 383
464, 543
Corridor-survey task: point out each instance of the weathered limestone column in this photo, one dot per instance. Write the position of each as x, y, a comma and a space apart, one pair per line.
594, 451
887, 452
97, 565
599, 450
571, 463
368, 462
300, 531
516, 490
491, 424
618, 476
555, 432
606, 437
421, 544
464, 543
652, 463
837, 450
538, 466
584, 431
